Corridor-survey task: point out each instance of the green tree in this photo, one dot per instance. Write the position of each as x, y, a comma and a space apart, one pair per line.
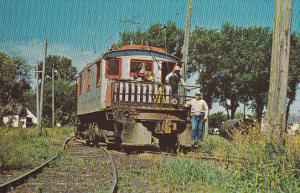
29, 100
217, 55
204, 59
65, 101
14, 79
166, 36
257, 46
62, 66
65, 90
233, 65
216, 119
294, 71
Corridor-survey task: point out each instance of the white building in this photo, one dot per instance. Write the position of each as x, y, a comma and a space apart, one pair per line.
22, 117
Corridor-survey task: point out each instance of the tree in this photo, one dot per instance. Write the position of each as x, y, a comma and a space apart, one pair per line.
258, 44
14, 79
294, 71
216, 119
204, 58
65, 101
166, 36
62, 66
65, 90
28, 100
219, 59
233, 65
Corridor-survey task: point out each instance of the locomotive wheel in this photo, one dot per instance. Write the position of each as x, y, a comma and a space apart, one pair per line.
179, 148
93, 130
79, 130
126, 149
169, 143
76, 131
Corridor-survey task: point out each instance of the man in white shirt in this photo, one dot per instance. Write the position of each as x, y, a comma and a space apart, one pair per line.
199, 112
174, 78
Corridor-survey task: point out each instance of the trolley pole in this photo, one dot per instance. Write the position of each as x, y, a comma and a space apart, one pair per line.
277, 98
42, 90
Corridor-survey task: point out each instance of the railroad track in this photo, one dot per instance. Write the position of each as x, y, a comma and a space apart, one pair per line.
80, 168
149, 171
113, 187
198, 155
97, 171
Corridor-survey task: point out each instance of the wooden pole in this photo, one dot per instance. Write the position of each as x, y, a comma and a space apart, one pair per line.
37, 93
277, 98
53, 107
42, 89
186, 38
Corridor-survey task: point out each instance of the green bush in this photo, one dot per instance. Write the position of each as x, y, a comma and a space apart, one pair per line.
216, 119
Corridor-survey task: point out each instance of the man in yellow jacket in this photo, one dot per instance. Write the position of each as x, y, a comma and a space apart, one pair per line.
199, 113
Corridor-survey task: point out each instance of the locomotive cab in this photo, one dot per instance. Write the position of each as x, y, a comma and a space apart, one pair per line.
123, 99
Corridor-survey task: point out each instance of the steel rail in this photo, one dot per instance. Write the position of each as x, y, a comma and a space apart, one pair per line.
21, 179
114, 186
202, 155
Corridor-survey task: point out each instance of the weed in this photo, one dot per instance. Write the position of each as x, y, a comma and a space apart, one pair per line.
261, 166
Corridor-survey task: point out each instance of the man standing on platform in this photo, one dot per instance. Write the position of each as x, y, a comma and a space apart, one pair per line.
174, 78
199, 112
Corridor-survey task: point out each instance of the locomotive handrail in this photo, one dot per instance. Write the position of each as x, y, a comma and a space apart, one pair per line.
156, 83
146, 93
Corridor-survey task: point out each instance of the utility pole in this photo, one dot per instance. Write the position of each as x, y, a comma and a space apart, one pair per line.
53, 109
42, 90
37, 92
186, 38
277, 98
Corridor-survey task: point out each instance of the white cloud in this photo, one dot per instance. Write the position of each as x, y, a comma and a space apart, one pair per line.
34, 50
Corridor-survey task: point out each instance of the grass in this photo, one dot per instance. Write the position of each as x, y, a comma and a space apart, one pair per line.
262, 166
24, 148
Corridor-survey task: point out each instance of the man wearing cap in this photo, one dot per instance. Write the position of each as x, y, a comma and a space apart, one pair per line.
199, 111
173, 78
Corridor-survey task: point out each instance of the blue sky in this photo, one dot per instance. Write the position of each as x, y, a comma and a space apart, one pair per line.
83, 29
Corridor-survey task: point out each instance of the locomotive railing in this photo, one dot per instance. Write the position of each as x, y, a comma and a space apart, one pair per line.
144, 94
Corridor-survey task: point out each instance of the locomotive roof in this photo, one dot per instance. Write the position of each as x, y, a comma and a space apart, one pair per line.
127, 48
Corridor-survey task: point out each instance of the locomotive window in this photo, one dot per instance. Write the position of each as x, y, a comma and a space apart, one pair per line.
113, 68
87, 82
79, 84
98, 74
139, 67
